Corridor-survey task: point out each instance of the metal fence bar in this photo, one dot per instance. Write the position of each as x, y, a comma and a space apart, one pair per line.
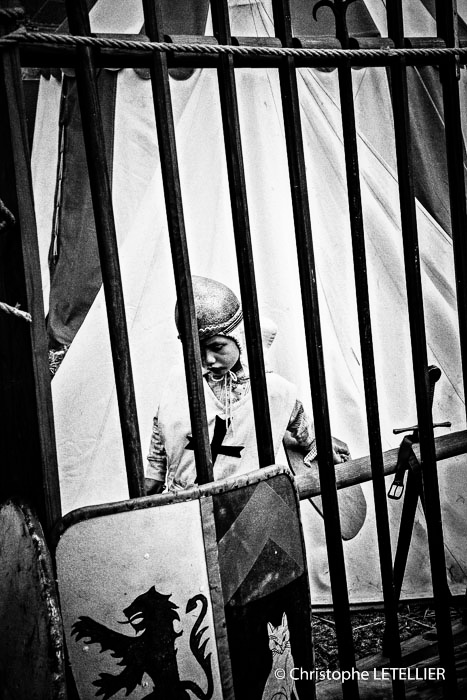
307, 271
446, 21
107, 245
178, 243
241, 224
419, 353
25, 370
366, 347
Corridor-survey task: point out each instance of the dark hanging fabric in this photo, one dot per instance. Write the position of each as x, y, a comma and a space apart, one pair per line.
428, 139
181, 17
431, 7
74, 264
73, 259
428, 143
359, 20
425, 99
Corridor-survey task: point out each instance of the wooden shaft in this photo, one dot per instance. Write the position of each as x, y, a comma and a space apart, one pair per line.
357, 471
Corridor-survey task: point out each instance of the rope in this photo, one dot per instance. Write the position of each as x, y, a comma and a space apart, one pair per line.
12, 13
6, 216
15, 311
161, 47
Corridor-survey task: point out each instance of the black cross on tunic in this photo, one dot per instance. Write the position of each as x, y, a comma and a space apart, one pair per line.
217, 448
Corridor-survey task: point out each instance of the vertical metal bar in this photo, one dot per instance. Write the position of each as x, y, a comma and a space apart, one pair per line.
307, 271
241, 225
107, 243
366, 345
173, 201
446, 21
419, 352
39, 479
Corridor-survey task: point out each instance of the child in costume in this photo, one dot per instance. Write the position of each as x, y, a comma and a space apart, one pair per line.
229, 406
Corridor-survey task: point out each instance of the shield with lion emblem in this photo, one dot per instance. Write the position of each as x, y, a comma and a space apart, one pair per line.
195, 595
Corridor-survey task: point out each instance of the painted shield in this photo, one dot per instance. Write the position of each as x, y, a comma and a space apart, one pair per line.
265, 587
203, 594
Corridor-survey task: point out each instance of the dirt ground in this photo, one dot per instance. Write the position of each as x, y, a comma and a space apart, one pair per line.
368, 628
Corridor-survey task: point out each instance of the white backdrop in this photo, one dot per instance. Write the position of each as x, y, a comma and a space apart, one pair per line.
87, 426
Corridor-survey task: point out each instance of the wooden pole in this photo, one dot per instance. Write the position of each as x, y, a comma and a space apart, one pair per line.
357, 471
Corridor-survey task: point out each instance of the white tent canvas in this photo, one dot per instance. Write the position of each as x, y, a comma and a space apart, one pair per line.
88, 435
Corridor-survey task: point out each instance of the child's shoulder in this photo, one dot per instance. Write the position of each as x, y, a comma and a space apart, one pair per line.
279, 383
174, 382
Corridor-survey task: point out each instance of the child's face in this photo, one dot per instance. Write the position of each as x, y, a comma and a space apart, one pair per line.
219, 354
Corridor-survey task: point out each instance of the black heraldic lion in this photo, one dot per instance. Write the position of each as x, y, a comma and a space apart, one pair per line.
153, 651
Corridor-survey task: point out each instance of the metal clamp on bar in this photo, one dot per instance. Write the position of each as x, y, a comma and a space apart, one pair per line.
406, 458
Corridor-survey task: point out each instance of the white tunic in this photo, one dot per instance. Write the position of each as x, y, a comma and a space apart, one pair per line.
175, 428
